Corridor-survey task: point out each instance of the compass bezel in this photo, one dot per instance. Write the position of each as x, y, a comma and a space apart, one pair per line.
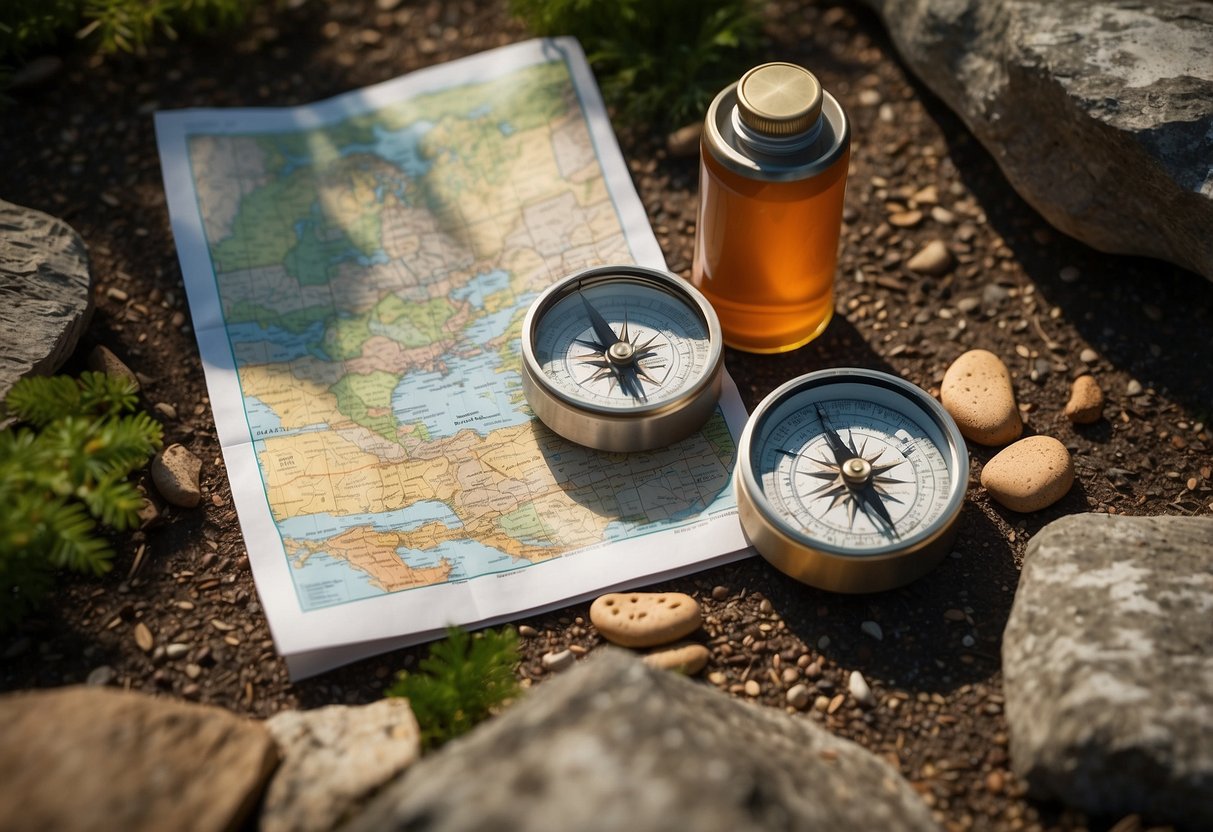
643, 426
826, 565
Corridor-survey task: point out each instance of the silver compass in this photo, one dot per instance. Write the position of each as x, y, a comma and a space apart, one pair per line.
851, 480
622, 358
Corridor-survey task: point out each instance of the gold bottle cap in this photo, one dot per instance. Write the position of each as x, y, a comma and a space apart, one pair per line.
779, 99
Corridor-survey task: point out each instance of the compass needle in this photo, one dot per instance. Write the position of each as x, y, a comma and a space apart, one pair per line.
602, 329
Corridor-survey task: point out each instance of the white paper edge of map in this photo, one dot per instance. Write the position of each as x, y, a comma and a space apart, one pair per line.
322, 639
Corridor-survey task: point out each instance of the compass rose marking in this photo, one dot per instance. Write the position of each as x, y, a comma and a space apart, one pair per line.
853, 479
617, 357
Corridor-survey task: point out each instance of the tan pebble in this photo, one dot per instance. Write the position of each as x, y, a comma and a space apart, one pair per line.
977, 391
934, 259
821, 703
175, 472
144, 637
102, 360
859, 689
717, 678
527, 631
905, 219
556, 662
1086, 401
686, 658
752, 688
645, 619
835, 703
927, 196
798, 697
1029, 475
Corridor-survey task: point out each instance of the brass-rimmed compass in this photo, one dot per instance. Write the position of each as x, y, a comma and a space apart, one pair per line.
851, 480
622, 358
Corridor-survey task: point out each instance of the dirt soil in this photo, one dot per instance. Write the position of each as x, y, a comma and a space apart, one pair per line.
84, 149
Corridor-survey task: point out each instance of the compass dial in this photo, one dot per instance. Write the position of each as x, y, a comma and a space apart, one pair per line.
622, 358
851, 480
652, 347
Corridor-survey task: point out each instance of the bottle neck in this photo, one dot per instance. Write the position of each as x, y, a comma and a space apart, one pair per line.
773, 145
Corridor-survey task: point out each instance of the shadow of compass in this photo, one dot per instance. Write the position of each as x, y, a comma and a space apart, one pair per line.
645, 489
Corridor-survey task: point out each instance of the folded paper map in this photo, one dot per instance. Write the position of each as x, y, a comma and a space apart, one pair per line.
357, 272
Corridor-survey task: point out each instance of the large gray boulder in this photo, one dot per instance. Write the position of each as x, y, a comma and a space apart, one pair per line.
617, 745
1099, 113
45, 294
1108, 666
79, 759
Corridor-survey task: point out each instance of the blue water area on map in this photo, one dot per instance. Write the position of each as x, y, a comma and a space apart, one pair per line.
254, 344
379, 258
472, 394
322, 526
261, 417
472, 391
400, 147
467, 558
490, 326
481, 286
324, 580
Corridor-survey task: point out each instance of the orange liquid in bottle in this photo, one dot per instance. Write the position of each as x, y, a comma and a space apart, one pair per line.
766, 253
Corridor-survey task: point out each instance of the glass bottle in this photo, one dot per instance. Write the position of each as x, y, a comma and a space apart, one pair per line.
772, 174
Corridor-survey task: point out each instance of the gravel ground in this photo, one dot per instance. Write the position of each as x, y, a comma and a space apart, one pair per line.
84, 149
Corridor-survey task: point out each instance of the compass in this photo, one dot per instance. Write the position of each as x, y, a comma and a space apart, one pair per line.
622, 358
851, 480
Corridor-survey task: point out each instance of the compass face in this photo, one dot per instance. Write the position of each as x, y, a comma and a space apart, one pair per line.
847, 465
622, 358
654, 345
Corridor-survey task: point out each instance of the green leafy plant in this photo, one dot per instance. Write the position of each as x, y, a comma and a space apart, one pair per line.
657, 61
462, 681
110, 25
61, 474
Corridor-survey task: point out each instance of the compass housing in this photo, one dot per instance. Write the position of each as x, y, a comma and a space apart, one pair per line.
644, 424
792, 549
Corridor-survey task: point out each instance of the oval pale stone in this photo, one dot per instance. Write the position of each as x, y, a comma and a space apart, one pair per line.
977, 391
1029, 475
1086, 401
686, 658
175, 473
645, 619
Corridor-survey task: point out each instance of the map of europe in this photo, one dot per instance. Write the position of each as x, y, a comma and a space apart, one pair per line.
372, 275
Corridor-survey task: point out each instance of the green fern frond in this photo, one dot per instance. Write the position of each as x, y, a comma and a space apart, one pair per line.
120, 446
59, 481
113, 501
75, 546
41, 400
106, 395
459, 684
